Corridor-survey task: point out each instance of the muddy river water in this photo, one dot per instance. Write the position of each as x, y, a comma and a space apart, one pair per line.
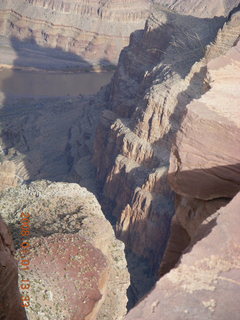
52, 84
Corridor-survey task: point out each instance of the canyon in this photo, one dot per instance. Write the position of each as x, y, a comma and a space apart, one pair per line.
158, 147
200, 268
159, 74
85, 34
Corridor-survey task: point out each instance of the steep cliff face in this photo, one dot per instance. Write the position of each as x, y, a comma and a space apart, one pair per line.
199, 154
77, 268
151, 87
202, 255
86, 33
95, 30
162, 71
166, 68
205, 284
204, 167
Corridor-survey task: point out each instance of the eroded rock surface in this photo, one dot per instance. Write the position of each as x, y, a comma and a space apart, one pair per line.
200, 8
77, 267
48, 138
207, 148
94, 30
202, 256
86, 33
203, 171
10, 302
159, 74
7, 174
205, 284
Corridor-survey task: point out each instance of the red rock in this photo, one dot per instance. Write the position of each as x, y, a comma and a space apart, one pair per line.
10, 302
77, 267
68, 277
205, 284
205, 163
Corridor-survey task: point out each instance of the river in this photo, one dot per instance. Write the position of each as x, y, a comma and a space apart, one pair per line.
51, 84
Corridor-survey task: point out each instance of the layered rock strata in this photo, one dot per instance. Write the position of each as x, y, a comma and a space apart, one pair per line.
202, 256
200, 155
85, 33
159, 74
92, 32
205, 161
77, 267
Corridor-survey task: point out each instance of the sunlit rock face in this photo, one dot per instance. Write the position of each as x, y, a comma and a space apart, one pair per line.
200, 268
207, 148
86, 33
161, 72
205, 284
77, 267
205, 160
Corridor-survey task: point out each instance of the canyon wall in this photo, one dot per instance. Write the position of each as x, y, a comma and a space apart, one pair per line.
205, 161
171, 103
205, 284
85, 32
202, 255
158, 75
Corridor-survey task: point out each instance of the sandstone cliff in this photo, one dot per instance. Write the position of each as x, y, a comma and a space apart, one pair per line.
159, 74
202, 255
167, 81
77, 267
205, 284
85, 33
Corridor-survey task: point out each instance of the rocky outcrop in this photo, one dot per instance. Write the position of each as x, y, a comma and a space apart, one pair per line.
77, 268
205, 284
164, 69
202, 255
204, 165
199, 154
10, 301
74, 287
91, 32
159, 74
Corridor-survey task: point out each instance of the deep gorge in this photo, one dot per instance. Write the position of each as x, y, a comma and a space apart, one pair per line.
147, 147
